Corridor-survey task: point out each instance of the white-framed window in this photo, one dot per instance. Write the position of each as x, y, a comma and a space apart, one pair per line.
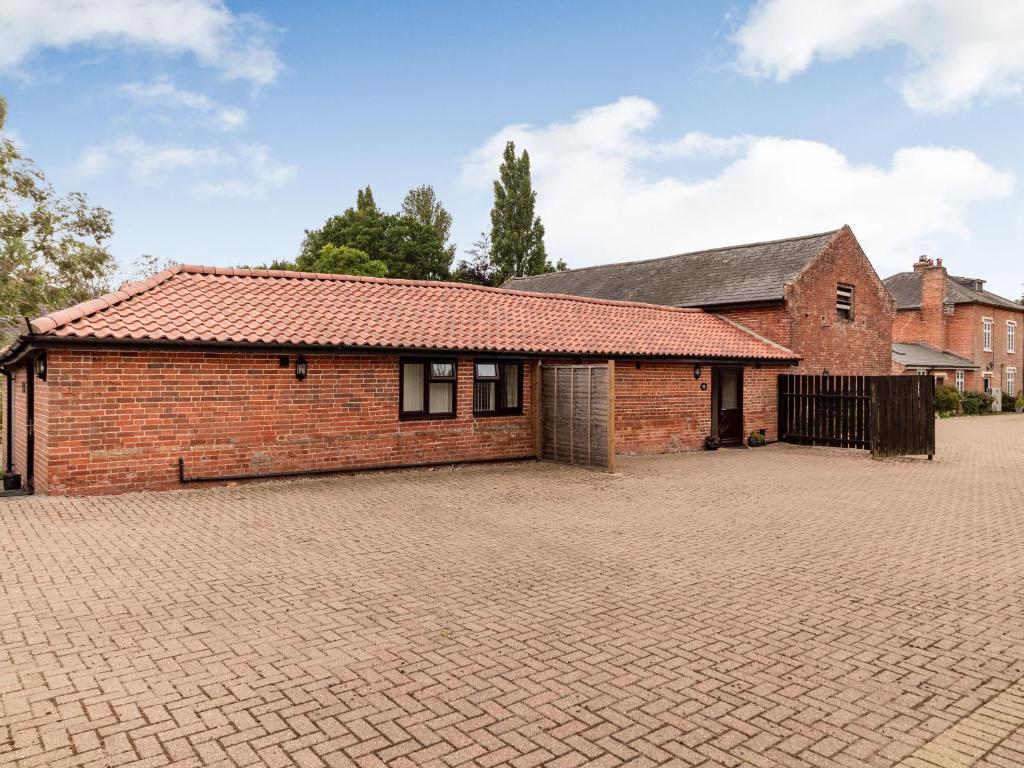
1011, 336
1011, 382
960, 381
986, 334
940, 379
922, 371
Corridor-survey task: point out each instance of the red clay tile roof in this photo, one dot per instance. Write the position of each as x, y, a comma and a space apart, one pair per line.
215, 304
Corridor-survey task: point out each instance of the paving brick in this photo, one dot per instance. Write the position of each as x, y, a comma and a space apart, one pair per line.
785, 606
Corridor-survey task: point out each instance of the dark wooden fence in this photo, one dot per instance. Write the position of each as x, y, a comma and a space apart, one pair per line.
888, 415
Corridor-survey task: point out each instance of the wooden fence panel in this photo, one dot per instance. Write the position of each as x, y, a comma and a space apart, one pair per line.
576, 411
888, 415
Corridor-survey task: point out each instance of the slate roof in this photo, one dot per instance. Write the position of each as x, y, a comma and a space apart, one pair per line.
755, 272
215, 305
925, 356
905, 288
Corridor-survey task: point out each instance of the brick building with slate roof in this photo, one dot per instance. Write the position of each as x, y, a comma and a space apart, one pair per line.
954, 329
228, 373
817, 295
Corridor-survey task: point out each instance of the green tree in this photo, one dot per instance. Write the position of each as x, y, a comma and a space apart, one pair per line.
421, 204
517, 235
409, 248
52, 251
342, 260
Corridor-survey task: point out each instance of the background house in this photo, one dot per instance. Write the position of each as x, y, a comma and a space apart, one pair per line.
979, 331
817, 295
257, 372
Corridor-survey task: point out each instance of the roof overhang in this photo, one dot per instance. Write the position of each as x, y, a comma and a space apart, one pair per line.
25, 346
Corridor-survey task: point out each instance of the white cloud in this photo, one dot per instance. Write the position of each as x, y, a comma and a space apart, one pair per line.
957, 50
599, 204
163, 93
235, 44
244, 171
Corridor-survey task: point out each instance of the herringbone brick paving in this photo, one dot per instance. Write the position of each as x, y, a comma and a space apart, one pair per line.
785, 606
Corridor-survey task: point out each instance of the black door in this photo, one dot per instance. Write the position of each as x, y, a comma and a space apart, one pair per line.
727, 401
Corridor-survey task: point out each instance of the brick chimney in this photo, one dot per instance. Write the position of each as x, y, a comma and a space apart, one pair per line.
933, 294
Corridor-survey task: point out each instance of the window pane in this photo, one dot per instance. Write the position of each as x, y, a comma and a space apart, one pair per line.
442, 370
486, 370
412, 386
483, 395
510, 382
730, 391
442, 397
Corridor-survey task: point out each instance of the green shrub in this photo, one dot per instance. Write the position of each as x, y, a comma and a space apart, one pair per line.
947, 400
1009, 404
977, 403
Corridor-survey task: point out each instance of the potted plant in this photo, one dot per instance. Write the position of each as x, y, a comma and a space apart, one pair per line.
756, 438
1019, 405
711, 443
12, 482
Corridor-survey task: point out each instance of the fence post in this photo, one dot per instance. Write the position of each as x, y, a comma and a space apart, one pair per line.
782, 405
872, 383
535, 402
611, 415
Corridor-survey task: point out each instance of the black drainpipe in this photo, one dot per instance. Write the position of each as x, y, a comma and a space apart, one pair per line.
9, 420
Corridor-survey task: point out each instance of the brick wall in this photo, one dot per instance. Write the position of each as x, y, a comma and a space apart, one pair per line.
964, 332
660, 407
862, 345
807, 322
120, 420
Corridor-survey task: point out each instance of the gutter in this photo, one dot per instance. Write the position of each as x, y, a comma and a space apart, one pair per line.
25, 345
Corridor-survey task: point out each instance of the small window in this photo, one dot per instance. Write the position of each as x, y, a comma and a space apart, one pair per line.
427, 389
844, 302
949, 309
1011, 382
960, 381
497, 388
1011, 336
986, 334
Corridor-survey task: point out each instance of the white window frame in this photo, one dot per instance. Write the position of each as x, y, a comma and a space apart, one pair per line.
844, 301
960, 379
986, 334
1011, 336
1011, 382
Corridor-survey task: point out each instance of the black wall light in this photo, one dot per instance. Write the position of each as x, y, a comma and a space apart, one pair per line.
41, 367
696, 371
301, 368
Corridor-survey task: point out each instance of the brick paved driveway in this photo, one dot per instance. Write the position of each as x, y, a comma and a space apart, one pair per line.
786, 606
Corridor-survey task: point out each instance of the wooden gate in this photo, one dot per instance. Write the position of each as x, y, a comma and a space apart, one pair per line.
888, 415
578, 414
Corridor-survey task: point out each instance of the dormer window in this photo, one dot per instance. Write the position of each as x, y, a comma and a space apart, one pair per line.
844, 302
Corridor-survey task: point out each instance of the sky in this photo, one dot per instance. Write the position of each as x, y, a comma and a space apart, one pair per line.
218, 132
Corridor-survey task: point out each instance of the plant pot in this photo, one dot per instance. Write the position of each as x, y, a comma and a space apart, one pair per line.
1019, 408
711, 443
12, 482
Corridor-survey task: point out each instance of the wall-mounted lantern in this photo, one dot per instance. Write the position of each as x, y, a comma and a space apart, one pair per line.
301, 368
41, 367
696, 370
824, 372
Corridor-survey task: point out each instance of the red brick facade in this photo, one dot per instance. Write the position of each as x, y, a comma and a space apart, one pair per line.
111, 421
660, 407
960, 329
808, 323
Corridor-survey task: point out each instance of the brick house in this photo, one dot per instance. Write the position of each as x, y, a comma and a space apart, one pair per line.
977, 331
817, 295
237, 373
